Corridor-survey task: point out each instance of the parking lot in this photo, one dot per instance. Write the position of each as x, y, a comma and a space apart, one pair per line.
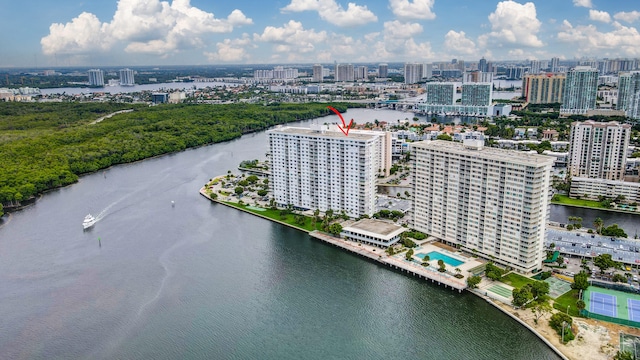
582, 244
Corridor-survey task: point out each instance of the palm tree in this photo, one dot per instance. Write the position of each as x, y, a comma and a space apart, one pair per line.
598, 223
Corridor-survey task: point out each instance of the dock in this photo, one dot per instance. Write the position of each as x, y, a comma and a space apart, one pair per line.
410, 268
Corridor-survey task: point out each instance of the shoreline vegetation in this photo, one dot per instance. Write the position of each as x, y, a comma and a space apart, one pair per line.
564, 200
49, 145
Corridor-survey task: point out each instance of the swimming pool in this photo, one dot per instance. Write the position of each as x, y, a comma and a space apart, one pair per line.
436, 255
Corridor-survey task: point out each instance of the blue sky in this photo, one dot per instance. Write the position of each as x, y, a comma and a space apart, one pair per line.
47, 33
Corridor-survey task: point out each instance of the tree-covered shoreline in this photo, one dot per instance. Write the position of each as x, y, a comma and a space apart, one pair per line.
45, 146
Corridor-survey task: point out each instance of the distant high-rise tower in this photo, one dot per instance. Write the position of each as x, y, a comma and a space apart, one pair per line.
440, 93
96, 77
344, 72
555, 63
317, 73
580, 90
412, 73
427, 71
598, 150
476, 94
482, 65
361, 73
477, 76
383, 70
543, 88
535, 67
629, 94
126, 77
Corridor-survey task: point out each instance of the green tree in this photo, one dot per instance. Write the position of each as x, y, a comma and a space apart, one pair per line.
580, 305
521, 296
580, 281
624, 355
598, 223
560, 261
1, 210
540, 309
444, 137
441, 266
238, 190
409, 254
560, 320
539, 289
492, 272
335, 229
619, 278
614, 231
473, 281
604, 262
262, 192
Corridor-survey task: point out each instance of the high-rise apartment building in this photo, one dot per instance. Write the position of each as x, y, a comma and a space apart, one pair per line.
317, 73
383, 70
477, 77
318, 168
598, 150
629, 94
440, 93
476, 94
580, 91
489, 201
96, 77
126, 77
412, 73
362, 73
344, 72
482, 65
427, 71
555, 65
535, 67
543, 88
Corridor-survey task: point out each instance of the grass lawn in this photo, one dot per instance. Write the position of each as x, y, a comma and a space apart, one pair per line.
568, 299
565, 200
275, 214
516, 280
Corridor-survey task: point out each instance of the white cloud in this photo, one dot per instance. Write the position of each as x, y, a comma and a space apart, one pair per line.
83, 34
399, 30
601, 16
458, 44
293, 35
583, 3
623, 40
416, 9
145, 26
230, 50
629, 17
513, 24
331, 12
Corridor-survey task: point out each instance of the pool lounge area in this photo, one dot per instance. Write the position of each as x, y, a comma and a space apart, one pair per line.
437, 255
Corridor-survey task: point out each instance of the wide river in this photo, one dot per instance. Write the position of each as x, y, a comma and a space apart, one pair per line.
202, 281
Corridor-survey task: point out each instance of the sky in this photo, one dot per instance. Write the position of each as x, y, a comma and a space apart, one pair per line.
46, 33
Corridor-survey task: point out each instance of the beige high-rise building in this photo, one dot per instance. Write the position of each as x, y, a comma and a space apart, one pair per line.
317, 73
489, 201
598, 150
543, 88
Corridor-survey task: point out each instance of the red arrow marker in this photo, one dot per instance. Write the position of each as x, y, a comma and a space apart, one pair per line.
344, 126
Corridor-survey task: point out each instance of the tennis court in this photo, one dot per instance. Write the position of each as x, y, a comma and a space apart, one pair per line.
557, 287
603, 304
634, 309
500, 290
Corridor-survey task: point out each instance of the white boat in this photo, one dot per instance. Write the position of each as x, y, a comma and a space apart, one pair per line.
88, 222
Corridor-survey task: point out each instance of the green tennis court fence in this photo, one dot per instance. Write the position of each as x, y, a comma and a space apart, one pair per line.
614, 320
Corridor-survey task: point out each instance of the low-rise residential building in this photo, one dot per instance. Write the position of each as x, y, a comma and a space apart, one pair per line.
373, 232
589, 188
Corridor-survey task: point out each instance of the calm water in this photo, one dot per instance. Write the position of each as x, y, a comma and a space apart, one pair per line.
629, 222
202, 281
136, 88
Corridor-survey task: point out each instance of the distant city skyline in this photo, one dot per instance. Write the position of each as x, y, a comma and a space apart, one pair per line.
201, 32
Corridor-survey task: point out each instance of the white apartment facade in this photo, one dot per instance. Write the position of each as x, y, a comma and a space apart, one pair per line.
598, 150
492, 202
318, 168
594, 188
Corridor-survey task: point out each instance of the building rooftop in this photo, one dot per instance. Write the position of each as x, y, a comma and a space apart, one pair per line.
332, 132
510, 156
376, 227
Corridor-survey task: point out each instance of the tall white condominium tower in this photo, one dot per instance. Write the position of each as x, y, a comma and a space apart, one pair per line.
629, 94
96, 77
344, 72
361, 72
580, 90
412, 73
318, 168
598, 150
126, 77
383, 70
490, 201
317, 73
